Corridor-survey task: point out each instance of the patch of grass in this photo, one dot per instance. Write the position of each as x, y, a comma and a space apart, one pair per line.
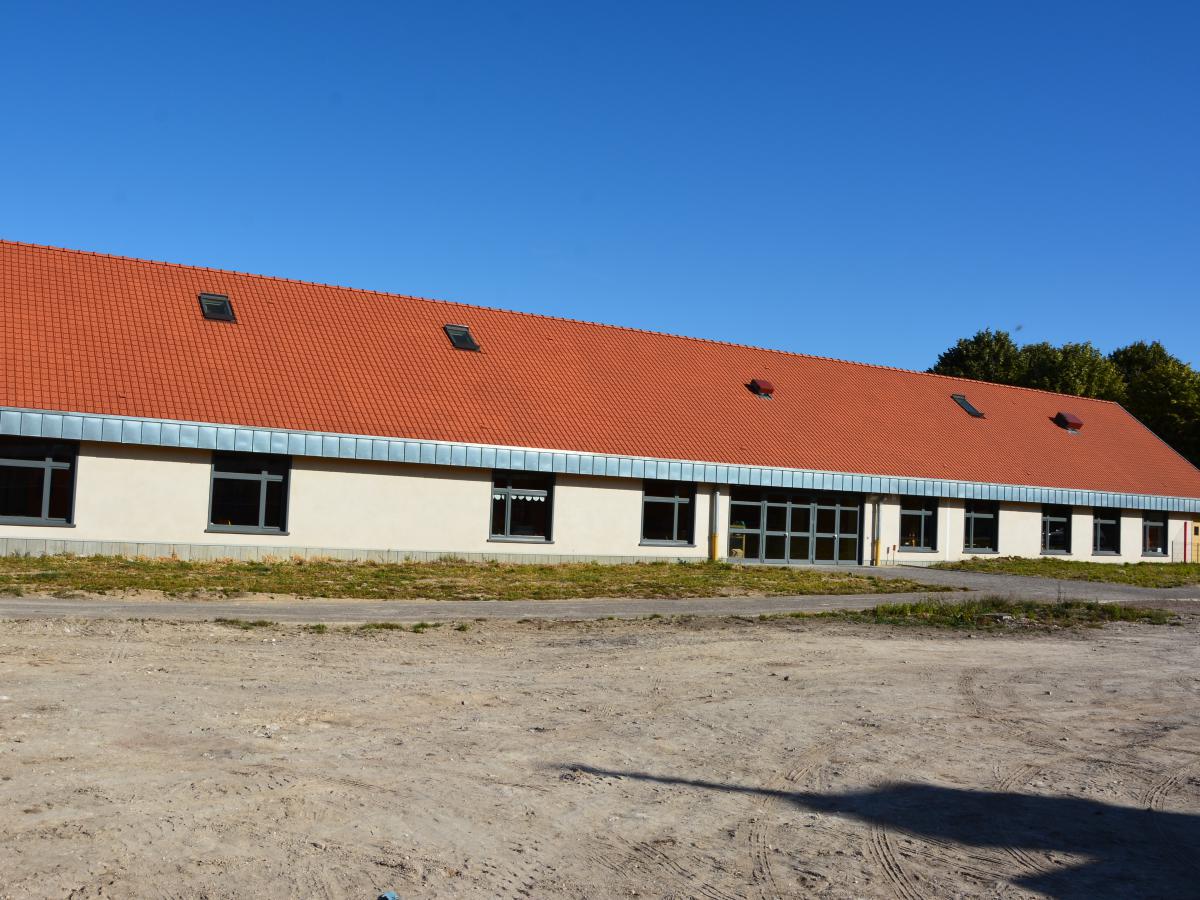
382, 626
443, 580
993, 613
462, 626
1143, 574
315, 629
245, 624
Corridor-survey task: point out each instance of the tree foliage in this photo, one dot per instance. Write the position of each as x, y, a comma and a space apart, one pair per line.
1156, 387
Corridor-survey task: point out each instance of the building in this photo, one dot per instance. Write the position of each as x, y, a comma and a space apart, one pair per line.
157, 409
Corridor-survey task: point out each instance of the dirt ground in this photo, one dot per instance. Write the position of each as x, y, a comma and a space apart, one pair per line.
711, 758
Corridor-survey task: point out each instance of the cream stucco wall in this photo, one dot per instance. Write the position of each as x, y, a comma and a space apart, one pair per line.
147, 494
1020, 534
129, 493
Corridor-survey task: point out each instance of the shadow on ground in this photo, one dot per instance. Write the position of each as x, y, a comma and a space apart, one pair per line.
1128, 852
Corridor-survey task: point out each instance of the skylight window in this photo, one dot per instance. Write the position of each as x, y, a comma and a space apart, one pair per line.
460, 337
966, 405
217, 307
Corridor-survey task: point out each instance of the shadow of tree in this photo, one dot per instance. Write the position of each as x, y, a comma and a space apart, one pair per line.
1130, 852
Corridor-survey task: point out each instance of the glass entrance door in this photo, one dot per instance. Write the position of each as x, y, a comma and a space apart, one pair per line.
793, 527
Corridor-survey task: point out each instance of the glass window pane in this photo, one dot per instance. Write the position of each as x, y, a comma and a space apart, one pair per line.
776, 547
21, 491
661, 488
848, 521
1154, 535
823, 549
60, 494
529, 517
498, 507
848, 549
743, 546
801, 519
687, 520
234, 502
534, 481
798, 552
746, 494
276, 499
658, 521
910, 531
826, 521
985, 533
745, 515
776, 518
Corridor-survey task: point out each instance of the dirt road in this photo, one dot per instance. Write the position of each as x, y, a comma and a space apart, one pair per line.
715, 759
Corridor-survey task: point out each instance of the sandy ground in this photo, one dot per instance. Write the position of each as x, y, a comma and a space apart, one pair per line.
712, 759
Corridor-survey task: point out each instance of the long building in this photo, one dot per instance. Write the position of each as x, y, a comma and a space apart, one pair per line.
156, 409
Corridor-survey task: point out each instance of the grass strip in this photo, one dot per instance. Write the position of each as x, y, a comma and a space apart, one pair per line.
992, 613
442, 580
1143, 574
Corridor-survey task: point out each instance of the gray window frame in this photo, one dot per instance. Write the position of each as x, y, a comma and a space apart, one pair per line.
928, 512
1055, 513
812, 503
1105, 515
548, 493
1161, 519
684, 497
225, 314
275, 468
969, 517
47, 451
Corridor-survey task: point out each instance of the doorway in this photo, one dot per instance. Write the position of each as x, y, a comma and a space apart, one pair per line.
781, 527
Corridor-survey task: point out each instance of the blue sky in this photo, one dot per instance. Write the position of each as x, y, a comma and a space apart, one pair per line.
862, 180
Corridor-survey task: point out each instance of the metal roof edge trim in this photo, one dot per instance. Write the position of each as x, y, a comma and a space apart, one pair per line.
211, 436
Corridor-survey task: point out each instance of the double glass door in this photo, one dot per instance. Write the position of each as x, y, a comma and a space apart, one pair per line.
774, 526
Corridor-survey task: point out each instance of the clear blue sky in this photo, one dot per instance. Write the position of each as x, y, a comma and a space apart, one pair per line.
862, 180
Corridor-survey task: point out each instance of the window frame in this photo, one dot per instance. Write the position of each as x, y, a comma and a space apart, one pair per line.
1056, 513
685, 499
48, 450
1097, 520
547, 492
212, 314
969, 517
928, 512
283, 466
1163, 520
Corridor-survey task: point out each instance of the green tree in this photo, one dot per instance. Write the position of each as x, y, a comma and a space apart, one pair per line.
988, 356
1163, 392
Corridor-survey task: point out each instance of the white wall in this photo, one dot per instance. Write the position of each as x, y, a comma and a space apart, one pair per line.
149, 494
1020, 534
126, 493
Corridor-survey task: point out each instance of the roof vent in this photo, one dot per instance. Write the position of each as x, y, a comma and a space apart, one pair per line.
217, 307
1068, 421
460, 337
762, 388
966, 405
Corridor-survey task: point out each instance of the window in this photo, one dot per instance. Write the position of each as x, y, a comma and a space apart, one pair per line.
1106, 531
37, 482
966, 405
522, 506
460, 337
918, 523
1056, 529
249, 493
217, 307
668, 512
981, 526
1154, 534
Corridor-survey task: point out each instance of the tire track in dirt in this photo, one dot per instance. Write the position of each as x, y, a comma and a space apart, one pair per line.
883, 854
761, 869
654, 866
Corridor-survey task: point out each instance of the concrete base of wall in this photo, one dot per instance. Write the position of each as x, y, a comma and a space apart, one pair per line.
255, 552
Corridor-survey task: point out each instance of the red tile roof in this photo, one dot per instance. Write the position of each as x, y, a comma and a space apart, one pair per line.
84, 332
